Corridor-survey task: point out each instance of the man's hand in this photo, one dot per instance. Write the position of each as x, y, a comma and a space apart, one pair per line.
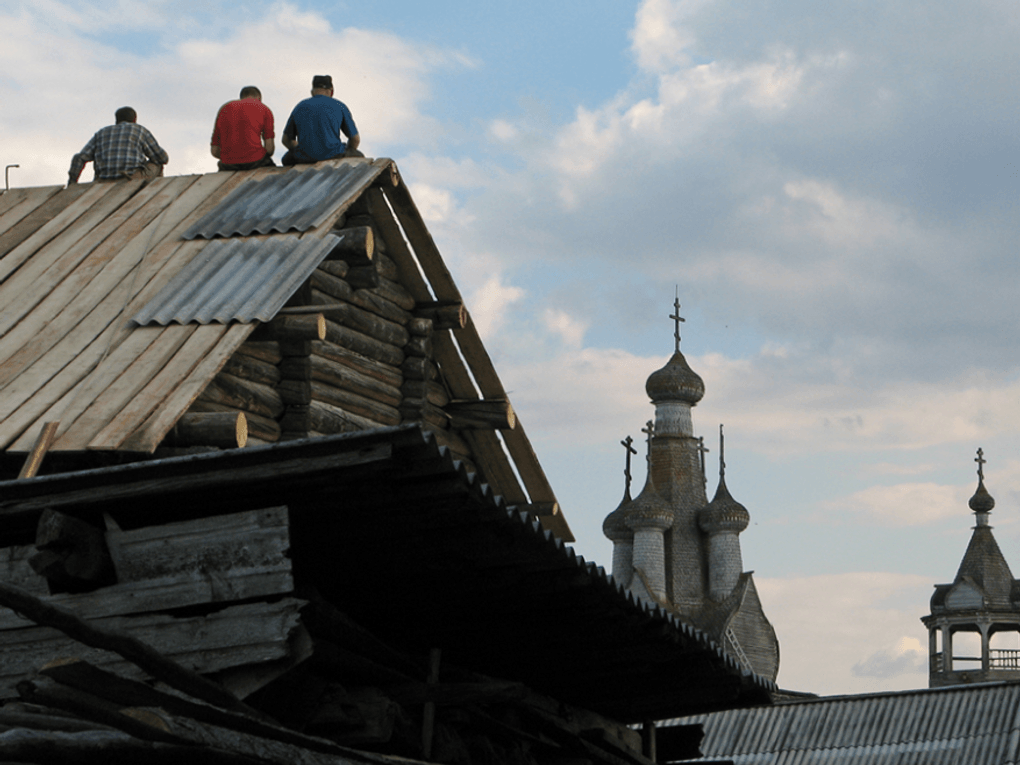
214, 150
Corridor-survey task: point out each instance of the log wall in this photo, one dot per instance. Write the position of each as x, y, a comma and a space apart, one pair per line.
352, 350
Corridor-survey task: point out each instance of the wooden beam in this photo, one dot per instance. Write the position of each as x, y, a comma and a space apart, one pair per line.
132, 649
478, 414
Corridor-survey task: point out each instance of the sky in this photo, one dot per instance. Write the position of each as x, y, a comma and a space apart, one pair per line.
832, 189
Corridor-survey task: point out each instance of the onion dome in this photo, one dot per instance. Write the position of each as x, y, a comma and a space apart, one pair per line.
982, 501
615, 526
675, 382
649, 510
723, 513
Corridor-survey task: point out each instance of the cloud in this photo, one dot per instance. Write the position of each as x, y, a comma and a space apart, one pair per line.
907, 657
909, 504
177, 86
848, 633
570, 329
489, 303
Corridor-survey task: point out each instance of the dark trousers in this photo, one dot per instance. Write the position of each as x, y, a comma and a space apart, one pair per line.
297, 157
266, 161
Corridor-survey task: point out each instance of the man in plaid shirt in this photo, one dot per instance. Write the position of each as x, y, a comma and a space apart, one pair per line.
124, 150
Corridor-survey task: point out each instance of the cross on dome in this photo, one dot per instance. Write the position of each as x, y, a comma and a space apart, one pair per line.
677, 318
626, 443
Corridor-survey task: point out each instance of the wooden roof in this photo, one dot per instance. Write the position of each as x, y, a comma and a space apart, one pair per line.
399, 536
77, 264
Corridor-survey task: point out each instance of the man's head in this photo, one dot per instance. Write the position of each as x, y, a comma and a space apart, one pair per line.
250, 91
322, 85
125, 114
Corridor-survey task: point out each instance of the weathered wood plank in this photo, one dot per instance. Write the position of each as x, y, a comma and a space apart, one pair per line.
234, 636
172, 391
76, 297
49, 265
120, 385
48, 218
210, 560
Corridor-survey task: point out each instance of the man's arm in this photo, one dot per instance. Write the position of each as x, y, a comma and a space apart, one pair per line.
354, 142
152, 150
214, 150
270, 145
79, 160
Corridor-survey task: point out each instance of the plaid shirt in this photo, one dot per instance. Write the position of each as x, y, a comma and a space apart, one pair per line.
116, 150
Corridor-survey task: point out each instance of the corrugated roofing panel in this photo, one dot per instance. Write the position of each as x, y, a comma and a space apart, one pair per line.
236, 280
959, 725
287, 201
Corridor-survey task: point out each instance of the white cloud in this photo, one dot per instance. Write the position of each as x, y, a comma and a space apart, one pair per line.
489, 304
906, 657
570, 329
177, 90
908, 504
848, 633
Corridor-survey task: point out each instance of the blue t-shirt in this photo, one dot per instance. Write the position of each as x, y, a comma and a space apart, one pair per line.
317, 122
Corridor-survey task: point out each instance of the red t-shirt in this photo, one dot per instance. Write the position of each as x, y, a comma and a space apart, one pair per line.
240, 127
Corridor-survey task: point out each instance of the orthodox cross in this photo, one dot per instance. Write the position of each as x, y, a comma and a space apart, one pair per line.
649, 431
630, 450
722, 458
980, 460
677, 318
702, 451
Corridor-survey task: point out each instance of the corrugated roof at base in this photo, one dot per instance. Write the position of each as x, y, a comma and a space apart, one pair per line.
961, 725
295, 200
236, 280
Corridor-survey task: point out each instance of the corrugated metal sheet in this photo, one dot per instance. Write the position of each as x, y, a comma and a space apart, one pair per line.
961, 725
236, 280
289, 201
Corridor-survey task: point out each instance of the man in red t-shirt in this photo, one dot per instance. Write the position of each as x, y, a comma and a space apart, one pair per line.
243, 136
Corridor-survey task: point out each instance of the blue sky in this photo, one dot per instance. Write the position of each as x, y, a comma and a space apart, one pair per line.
833, 189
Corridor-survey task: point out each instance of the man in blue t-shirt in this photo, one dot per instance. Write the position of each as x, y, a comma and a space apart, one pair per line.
313, 132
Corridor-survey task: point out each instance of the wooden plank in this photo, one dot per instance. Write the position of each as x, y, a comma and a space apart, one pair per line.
182, 393
190, 358
234, 636
65, 211
48, 387
470, 345
425, 249
13, 197
265, 467
54, 262
125, 373
77, 295
164, 263
38, 217
211, 560
17, 203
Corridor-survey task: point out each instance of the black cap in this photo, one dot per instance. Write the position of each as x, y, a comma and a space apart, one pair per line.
322, 81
